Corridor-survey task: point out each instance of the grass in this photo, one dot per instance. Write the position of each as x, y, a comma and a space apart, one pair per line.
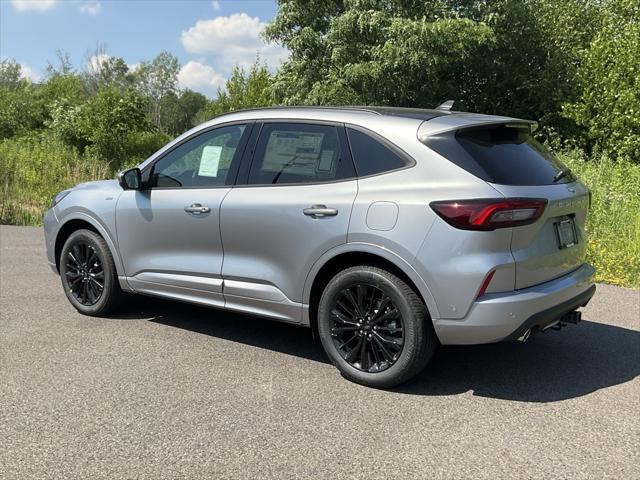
613, 225
33, 169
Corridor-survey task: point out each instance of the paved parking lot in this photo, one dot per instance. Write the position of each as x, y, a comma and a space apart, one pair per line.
167, 390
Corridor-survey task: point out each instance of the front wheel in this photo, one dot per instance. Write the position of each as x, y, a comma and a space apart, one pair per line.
88, 274
375, 329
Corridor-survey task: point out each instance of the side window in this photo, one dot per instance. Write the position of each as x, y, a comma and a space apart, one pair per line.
299, 153
371, 156
203, 161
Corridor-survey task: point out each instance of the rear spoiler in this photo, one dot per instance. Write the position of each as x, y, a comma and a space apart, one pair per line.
461, 121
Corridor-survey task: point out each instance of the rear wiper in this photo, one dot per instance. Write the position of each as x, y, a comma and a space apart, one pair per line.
561, 174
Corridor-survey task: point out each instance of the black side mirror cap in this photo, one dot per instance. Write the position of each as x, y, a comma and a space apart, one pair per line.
130, 179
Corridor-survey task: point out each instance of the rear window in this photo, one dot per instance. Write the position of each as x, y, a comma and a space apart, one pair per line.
501, 154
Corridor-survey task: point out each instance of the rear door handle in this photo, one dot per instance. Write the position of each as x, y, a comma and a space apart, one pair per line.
320, 211
196, 209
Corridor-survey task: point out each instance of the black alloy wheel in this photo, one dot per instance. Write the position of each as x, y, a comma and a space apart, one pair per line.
84, 273
374, 326
367, 328
88, 274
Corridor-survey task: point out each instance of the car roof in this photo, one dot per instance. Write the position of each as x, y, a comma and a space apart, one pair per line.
340, 111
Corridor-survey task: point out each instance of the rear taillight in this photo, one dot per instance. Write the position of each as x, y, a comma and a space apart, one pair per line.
489, 214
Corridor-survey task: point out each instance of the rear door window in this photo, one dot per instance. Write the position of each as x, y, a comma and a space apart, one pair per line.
289, 153
501, 154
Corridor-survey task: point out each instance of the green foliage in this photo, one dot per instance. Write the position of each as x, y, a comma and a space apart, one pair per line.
103, 124
10, 74
609, 106
178, 111
508, 57
33, 169
21, 111
242, 90
613, 225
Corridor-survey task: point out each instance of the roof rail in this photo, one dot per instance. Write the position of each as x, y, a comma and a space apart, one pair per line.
301, 107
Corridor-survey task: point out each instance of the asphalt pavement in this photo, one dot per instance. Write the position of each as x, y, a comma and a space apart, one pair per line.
168, 390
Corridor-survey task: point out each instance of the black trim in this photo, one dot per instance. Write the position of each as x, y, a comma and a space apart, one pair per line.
544, 318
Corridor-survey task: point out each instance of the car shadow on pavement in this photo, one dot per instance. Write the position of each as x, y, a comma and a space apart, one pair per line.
549, 367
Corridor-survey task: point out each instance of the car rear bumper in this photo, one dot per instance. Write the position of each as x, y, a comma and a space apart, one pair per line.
507, 316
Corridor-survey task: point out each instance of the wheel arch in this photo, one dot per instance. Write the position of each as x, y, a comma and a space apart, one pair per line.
350, 255
80, 221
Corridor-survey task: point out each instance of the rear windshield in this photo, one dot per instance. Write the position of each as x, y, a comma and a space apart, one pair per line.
501, 154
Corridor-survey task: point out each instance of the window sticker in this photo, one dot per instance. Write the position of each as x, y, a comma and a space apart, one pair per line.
209, 161
326, 161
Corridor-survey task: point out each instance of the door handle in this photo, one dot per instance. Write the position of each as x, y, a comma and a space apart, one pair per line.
196, 209
320, 211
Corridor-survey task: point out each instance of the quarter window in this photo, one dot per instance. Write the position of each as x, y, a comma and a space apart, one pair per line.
371, 156
299, 153
203, 161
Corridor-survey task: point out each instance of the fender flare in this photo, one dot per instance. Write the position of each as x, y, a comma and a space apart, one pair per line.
372, 249
102, 230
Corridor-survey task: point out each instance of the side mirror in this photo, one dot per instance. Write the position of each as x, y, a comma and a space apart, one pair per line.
130, 179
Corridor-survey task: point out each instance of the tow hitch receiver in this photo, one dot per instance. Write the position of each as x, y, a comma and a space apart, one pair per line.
572, 317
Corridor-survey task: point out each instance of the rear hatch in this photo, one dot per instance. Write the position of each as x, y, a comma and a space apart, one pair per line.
505, 155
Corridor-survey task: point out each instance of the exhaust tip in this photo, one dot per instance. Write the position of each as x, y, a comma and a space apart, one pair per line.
525, 336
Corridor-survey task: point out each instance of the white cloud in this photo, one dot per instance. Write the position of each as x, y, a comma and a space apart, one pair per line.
200, 77
216, 4
133, 67
91, 7
33, 5
95, 62
29, 73
232, 40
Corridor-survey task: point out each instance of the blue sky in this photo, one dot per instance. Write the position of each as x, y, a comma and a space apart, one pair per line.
209, 37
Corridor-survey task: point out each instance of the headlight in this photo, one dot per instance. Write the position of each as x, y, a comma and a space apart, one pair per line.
58, 198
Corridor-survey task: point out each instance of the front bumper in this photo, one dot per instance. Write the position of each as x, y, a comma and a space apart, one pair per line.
50, 222
507, 316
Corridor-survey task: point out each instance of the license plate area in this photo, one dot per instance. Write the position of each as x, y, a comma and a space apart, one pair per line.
566, 233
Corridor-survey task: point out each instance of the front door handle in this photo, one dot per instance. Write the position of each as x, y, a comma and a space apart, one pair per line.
320, 211
196, 209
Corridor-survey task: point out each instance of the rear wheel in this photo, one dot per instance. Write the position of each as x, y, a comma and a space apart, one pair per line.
88, 274
374, 327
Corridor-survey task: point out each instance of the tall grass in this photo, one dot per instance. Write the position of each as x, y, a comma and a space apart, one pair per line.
613, 225
33, 169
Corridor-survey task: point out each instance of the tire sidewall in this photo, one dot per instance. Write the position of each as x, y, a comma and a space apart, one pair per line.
107, 265
411, 325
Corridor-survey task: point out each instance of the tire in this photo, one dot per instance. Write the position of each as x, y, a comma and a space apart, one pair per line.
85, 259
409, 329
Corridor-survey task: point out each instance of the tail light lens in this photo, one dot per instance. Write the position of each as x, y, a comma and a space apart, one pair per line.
491, 213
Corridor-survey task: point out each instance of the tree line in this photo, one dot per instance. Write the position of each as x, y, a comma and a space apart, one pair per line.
572, 65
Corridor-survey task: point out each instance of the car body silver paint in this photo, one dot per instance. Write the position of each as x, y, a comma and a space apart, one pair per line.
158, 237
258, 253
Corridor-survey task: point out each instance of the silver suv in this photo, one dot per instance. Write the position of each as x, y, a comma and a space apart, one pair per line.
388, 231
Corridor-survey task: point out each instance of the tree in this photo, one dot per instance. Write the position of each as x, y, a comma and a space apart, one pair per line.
10, 74
608, 108
179, 111
242, 90
511, 57
106, 71
157, 79
64, 66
